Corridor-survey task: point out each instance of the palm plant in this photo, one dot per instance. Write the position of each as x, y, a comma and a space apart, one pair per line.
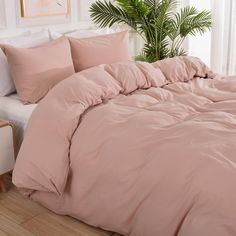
156, 21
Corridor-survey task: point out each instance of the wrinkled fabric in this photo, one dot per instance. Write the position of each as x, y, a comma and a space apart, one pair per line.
137, 149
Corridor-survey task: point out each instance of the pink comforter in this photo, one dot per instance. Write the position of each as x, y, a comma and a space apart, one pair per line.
118, 148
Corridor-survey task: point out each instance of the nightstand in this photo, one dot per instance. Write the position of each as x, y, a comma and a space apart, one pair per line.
7, 152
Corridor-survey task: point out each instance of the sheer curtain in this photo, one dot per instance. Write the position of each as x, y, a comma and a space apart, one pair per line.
223, 39
217, 48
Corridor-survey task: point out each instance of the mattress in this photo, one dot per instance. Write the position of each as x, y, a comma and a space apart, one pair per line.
12, 109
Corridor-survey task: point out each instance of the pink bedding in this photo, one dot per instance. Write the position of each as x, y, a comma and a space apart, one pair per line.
118, 148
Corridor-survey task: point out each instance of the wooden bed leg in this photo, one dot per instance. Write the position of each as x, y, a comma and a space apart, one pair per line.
2, 184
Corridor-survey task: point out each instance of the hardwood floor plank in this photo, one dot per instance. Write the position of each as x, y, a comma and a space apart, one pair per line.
2, 233
17, 208
14, 196
12, 229
54, 225
21, 216
15, 212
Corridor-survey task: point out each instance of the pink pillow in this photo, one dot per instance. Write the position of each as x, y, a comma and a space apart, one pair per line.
36, 70
104, 49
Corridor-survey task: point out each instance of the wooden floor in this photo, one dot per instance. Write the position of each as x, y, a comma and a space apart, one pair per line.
22, 217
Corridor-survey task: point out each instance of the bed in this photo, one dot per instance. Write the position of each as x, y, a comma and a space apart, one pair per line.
136, 148
12, 109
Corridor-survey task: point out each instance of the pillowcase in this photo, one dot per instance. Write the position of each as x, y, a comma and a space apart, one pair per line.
80, 34
36, 70
105, 49
26, 40
12, 38
54, 34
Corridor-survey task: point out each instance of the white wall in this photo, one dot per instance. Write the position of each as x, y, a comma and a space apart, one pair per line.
11, 22
200, 46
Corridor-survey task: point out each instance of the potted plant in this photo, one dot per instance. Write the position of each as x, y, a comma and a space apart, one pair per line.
156, 21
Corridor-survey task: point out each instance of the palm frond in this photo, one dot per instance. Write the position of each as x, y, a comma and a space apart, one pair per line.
187, 21
107, 14
141, 57
161, 22
150, 50
199, 23
151, 3
153, 6
179, 22
163, 30
178, 52
134, 8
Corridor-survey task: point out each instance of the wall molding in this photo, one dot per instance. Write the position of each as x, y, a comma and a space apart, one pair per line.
26, 22
11, 22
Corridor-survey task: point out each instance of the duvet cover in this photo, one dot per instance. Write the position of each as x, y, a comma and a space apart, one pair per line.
136, 148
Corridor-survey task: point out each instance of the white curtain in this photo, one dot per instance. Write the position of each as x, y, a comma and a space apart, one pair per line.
223, 39
217, 48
